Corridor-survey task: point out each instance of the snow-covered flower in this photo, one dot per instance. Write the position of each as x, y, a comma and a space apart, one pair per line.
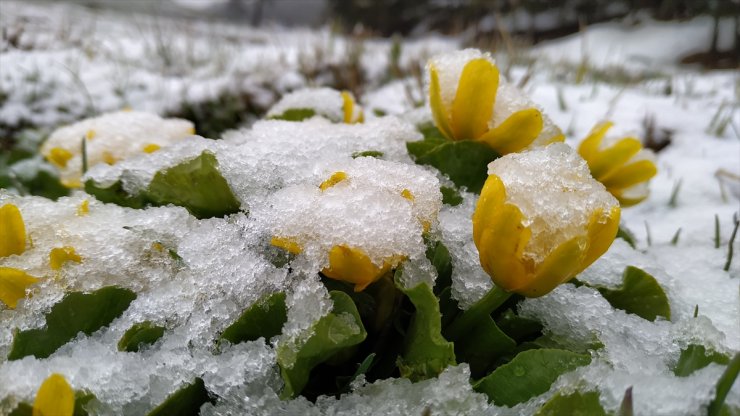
620, 163
336, 106
541, 219
359, 222
470, 101
110, 138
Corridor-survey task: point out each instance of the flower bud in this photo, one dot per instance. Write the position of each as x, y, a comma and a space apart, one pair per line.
470, 101
621, 164
541, 219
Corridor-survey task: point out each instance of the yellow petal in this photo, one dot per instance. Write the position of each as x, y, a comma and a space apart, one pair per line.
473, 104
287, 244
590, 145
109, 158
13, 237
13, 284
632, 195
71, 183
348, 105
408, 195
558, 267
335, 178
631, 174
151, 148
90, 134
439, 112
558, 138
501, 247
500, 236
354, 266
601, 234
84, 208
516, 132
59, 156
60, 255
54, 398
492, 198
604, 162
191, 130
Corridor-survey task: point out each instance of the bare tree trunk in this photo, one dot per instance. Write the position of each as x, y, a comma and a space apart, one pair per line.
257, 12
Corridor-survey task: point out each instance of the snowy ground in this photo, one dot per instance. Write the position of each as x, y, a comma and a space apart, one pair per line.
66, 63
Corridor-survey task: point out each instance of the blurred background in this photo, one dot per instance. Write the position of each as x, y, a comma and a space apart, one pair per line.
223, 63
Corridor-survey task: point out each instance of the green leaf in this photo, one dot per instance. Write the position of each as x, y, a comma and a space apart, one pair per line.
76, 312
343, 383
333, 333
438, 254
724, 384
518, 328
575, 404
23, 409
45, 184
483, 345
295, 114
367, 153
196, 185
140, 334
627, 236
422, 147
529, 374
430, 131
425, 352
115, 194
450, 196
640, 294
464, 162
696, 357
82, 398
265, 318
185, 401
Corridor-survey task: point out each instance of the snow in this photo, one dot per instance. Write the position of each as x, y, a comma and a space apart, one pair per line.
647, 44
71, 64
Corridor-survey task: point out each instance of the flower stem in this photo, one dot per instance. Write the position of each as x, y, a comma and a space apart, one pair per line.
466, 321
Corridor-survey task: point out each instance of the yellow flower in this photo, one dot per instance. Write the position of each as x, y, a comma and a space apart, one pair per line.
13, 231
621, 164
54, 398
537, 228
336, 106
468, 103
13, 284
